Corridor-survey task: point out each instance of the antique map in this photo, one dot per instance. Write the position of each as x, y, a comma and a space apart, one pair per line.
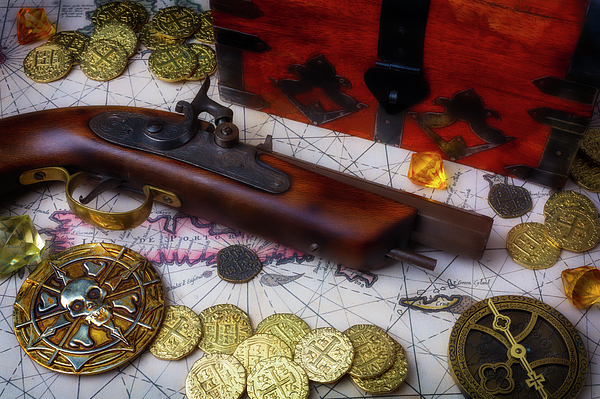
416, 307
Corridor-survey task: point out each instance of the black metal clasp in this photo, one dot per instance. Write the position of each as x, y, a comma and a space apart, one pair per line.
396, 80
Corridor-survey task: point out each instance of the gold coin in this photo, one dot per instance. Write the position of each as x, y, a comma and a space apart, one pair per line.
215, 376
118, 32
285, 326
258, 347
176, 22
205, 32
47, 63
140, 14
172, 62
152, 39
75, 41
224, 326
529, 246
116, 11
207, 61
570, 199
277, 377
325, 354
590, 145
573, 229
89, 309
389, 381
103, 60
178, 335
374, 350
586, 173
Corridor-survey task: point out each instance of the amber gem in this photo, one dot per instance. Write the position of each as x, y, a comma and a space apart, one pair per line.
33, 25
427, 169
582, 285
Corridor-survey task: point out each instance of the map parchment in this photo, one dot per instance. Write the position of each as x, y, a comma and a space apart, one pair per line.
324, 294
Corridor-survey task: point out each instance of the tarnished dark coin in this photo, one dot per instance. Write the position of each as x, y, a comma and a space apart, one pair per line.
509, 201
237, 264
89, 309
586, 173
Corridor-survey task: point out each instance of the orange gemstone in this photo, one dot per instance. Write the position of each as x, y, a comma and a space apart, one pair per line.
32, 25
582, 285
427, 169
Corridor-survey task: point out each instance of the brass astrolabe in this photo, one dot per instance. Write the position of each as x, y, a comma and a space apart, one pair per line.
516, 347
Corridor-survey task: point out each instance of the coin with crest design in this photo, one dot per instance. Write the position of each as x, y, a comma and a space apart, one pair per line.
528, 245
224, 327
47, 63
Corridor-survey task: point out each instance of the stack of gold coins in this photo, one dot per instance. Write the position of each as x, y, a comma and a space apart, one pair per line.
282, 356
104, 55
380, 364
570, 222
172, 59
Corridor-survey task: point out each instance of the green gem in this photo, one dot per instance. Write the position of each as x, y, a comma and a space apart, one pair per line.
20, 243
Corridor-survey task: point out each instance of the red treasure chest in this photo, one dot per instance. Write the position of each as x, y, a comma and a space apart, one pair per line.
505, 86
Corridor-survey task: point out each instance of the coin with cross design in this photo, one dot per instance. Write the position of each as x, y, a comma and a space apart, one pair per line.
277, 377
179, 333
88, 309
326, 354
518, 347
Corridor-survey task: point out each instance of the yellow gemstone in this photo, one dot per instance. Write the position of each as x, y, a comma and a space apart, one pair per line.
33, 25
582, 285
20, 243
427, 169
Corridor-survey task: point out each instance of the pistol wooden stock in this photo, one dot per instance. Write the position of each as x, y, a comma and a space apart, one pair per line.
316, 215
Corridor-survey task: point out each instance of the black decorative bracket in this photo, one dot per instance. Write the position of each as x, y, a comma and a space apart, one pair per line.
465, 106
318, 72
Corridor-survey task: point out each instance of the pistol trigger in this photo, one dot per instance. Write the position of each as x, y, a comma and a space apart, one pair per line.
107, 183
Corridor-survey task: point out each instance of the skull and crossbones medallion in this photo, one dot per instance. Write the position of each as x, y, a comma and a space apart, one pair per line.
89, 309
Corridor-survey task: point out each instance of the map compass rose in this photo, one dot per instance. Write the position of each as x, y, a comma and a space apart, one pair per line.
88, 309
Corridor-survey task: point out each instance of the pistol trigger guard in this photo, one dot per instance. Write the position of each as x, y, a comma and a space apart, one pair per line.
101, 219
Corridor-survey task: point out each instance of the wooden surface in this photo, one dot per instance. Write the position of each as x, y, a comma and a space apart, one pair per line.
496, 48
352, 226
